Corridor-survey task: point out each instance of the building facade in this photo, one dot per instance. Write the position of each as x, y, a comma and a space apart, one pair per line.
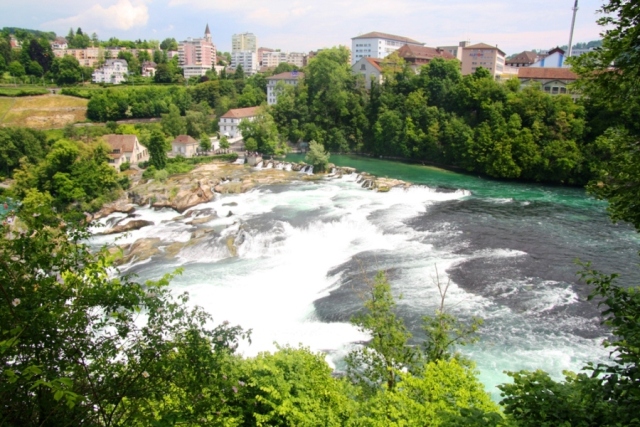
523, 59
377, 45
483, 55
125, 149
197, 56
244, 41
114, 71
455, 50
246, 58
229, 123
369, 69
555, 59
289, 78
554, 81
184, 146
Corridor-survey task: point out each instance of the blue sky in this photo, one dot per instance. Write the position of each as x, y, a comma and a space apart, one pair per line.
303, 25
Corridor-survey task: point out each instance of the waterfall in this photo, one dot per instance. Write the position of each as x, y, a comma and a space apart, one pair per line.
287, 166
280, 166
259, 165
269, 165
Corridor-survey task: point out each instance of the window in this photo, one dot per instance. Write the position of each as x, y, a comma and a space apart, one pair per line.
554, 90
363, 67
563, 90
547, 89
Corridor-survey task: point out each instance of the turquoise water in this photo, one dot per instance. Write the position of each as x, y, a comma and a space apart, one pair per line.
479, 186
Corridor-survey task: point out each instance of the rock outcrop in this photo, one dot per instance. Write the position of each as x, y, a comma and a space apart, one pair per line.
136, 224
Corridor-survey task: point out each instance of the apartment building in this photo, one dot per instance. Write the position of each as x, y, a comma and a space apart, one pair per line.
378, 45
483, 55
244, 41
114, 71
246, 58
197, 56
288, 78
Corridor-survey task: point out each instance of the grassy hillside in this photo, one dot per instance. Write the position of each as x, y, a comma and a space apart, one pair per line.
42, 112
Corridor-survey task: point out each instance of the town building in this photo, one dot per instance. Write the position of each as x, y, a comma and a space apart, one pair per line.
246, 58
555, 59
229, 122
523, 59
455, 50
289, 78
125, 149
370, 70
417, 56
59, 43
377, 45
114, 71
271, 59
554, 81
149, 69
244, 41
184, 146
483, 55
197, 56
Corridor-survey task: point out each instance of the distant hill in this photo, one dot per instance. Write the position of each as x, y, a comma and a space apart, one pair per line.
50, 35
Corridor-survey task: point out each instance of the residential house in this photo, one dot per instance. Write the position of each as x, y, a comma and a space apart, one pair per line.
554, 81
378, 45
125, 148
229, 122
197, 56
483, 55
555, 59
59, 43
184, 146
370, 70
149, 69
288, 78
523, 59
417, 56
114, 71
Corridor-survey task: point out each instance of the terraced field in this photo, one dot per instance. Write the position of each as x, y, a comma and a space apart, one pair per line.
42, 112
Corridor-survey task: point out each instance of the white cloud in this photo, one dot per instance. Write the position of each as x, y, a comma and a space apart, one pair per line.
122, 15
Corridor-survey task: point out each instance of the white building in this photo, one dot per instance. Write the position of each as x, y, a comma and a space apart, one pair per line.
369, 69
246, 58
125, 149
114, 71
230, 121
244, 41
555, 59
272, 59
288, 78
377, 45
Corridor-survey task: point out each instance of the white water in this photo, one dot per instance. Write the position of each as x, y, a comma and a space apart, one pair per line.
297, 244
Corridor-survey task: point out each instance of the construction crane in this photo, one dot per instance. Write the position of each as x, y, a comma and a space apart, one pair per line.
573, 23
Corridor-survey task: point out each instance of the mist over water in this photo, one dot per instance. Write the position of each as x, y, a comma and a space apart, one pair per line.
306, 249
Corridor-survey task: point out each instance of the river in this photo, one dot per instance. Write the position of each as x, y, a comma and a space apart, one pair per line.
507, 251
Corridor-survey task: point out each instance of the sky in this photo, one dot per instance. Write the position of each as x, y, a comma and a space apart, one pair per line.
305, 25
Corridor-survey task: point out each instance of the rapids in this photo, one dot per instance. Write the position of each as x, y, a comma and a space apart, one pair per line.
306, 249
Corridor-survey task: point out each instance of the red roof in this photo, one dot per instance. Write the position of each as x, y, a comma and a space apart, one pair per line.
123, 143
422, 52
546, 73
184, 140
484, 46
525, 57
375, 62
241, 113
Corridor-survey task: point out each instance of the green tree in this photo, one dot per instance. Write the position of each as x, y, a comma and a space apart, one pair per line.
376, 364
169, 44
66, 70
173, 123
16, 69
317, 157
157, 150
264, 133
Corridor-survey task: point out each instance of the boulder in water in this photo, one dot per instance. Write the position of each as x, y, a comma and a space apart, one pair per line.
136, 224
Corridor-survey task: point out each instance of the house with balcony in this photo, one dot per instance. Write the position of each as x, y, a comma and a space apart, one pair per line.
114, 71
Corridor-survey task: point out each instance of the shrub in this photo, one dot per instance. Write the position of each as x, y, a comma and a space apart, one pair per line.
125, 166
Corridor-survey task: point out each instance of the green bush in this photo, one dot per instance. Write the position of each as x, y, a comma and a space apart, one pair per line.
14, 91
161, 175
125, 166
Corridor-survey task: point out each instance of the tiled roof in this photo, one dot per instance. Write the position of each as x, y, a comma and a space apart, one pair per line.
124, 143
184, 140
377, 34
546, 73
287, 76
423, 52
241, 113
525, 57
149, 64
375, 62
484, 46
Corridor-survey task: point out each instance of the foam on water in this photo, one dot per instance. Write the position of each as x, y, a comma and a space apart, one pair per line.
293, 247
